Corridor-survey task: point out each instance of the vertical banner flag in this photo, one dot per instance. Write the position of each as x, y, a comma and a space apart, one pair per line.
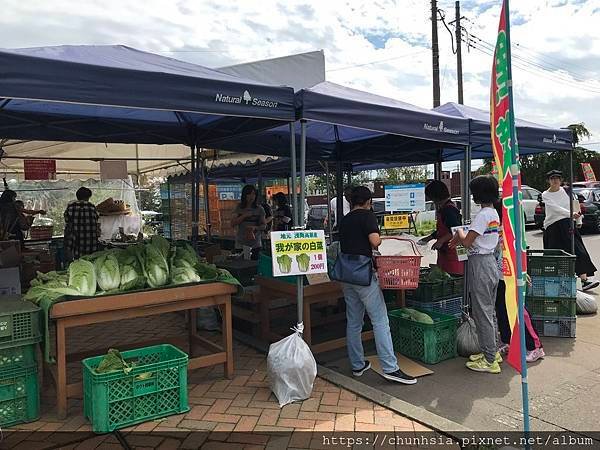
502, 124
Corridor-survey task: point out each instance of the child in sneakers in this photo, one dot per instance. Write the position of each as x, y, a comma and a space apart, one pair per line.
482, 271
533, 344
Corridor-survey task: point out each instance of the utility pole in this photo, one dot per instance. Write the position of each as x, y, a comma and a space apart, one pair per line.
435, 53
459, 74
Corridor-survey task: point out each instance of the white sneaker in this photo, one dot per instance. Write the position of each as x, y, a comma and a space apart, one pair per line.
534, 355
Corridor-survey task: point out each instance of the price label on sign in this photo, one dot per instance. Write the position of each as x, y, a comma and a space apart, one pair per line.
395, 221
298, 252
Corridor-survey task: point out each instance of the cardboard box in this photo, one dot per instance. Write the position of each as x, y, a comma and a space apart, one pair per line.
10, 254
10, 281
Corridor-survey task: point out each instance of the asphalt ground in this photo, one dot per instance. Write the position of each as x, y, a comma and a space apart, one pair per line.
564, 388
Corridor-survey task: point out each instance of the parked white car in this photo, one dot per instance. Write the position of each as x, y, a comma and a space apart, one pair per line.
530, 202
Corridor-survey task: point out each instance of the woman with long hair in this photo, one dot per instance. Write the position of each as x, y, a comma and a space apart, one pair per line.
558, 227
249, 218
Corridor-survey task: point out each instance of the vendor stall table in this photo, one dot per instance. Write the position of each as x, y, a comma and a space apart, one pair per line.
111, 308
241, 269
271, 289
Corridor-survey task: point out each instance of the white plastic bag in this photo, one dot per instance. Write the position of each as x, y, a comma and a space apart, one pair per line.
467, 342
586, 304
292, 369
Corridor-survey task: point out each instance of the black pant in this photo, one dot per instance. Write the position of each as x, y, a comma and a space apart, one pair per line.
502, 318
254, 253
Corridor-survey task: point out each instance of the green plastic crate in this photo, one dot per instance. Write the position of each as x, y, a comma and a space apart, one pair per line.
431, 291
116, 400
551, 307
17, 357
19, 396
550, 263
19, 322
430, 343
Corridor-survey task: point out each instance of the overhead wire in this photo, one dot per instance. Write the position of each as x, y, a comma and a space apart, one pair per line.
377, 61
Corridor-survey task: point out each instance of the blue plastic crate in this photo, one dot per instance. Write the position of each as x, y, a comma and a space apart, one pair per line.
554, 287
448, 306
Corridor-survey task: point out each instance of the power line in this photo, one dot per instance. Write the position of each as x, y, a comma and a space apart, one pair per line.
537, 72
534, 68
582, 79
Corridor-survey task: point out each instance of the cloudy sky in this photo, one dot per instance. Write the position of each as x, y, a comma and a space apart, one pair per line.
382, 46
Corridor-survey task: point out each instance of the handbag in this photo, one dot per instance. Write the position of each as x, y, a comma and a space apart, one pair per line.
353, 269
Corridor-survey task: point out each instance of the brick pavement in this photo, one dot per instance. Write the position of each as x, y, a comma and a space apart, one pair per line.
238, 413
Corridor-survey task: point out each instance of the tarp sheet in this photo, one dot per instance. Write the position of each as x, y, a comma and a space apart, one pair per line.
532, 137
123, 95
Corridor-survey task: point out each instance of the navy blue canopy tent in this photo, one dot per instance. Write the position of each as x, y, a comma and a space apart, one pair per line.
345, 124
533, 138
119, 94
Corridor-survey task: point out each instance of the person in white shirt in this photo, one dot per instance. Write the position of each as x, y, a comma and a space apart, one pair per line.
482, 271
558, 227
333, 205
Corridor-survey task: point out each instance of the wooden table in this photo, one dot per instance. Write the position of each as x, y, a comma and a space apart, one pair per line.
111, 308
271, 289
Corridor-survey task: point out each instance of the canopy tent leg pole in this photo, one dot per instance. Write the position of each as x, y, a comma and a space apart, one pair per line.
206, 199
197, 174
339, 178
349, 175
300, 278
293, 174
328, 181
194, 212
339, 203
571, 176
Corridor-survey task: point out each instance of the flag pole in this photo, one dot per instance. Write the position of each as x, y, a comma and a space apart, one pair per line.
518, 211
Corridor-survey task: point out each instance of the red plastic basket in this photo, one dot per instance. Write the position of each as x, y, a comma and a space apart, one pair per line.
399, 272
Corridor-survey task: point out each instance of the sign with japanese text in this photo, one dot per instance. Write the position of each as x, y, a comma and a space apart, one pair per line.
39, 169
405, 197
395, 221
298, 252
588, 172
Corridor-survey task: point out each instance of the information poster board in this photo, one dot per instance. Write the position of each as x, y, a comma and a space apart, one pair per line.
395, 221
229, 191
405, 197
298, 252
39, 169
588, 172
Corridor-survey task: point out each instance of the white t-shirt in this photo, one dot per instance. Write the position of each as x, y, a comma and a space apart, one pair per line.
333, 207
557, 207
486, 224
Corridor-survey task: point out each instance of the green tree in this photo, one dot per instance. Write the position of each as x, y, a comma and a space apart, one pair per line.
403, 175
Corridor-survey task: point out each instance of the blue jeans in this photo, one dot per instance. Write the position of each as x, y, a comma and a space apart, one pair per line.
370, 299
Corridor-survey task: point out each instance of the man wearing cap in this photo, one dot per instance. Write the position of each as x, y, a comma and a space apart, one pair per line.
558, 226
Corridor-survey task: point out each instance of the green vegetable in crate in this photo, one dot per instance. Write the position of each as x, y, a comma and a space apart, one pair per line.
303, 261
285, 263
107, 271
436, 274
113, 361
183, 275
416, 316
